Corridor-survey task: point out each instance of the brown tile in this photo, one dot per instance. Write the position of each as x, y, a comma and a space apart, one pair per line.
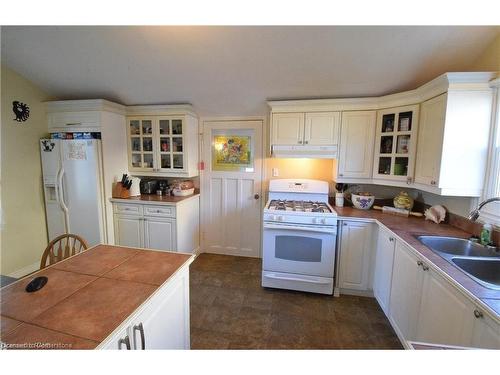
252, 322
226, 297
96, 310
207, 339
7, 325
203, 294
152, 267
221, 319
24, 306
42, 338
262, 300
96, 261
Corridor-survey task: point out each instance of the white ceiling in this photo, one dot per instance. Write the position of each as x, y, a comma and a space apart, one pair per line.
234, 70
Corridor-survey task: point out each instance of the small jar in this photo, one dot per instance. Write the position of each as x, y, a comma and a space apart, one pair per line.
159, 192
339, 199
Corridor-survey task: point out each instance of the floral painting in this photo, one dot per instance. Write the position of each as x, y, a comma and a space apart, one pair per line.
231, 152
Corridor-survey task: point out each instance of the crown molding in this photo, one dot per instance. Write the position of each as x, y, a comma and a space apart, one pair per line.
161, 109
84, 105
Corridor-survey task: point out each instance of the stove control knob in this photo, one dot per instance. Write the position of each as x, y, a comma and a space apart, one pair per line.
323, 221
279, 218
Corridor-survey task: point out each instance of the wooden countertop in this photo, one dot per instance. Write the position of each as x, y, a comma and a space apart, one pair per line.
86, 297
156, 199
408, 228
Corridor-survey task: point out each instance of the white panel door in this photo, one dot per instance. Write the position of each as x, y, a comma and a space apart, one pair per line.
322, 128
159, 234
287, 128
486, 332
357, 135
355, 255
231, 193
129, 231
406, 289
444, 313
430, 141
165, 320
382, 274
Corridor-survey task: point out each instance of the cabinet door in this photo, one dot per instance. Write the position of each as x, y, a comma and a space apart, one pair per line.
171, 144
430, 141
159, 234
322, 128
406, 289
355, 251
395, 143
287, 128
444, 313
356, 144
382, 274
129, 231
141, 143
164, 322
485, 332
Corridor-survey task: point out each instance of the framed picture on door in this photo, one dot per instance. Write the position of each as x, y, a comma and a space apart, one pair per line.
232, 151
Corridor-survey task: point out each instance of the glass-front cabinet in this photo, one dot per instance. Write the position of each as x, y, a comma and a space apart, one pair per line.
162, 144
395, 143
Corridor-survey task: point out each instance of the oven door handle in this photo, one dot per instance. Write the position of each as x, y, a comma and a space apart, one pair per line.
301, 228
288, 278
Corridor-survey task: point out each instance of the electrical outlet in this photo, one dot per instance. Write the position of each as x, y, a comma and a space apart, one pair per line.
276, 172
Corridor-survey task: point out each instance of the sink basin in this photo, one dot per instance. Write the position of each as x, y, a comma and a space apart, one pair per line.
479, 262
457, 246
485, 271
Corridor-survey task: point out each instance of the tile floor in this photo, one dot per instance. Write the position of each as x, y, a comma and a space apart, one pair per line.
230, 310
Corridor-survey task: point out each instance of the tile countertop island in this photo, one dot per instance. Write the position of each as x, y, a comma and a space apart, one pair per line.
87, 297
407, 228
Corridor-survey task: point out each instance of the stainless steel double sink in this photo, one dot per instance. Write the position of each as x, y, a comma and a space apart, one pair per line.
480, 262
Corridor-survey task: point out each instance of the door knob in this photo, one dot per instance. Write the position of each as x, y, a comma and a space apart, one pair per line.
256, 196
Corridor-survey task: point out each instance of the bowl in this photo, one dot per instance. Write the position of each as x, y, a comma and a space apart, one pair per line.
183, 193
363, 201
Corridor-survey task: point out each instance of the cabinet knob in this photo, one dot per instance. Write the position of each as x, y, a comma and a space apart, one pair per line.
425, 267
341, 174
256, 196
433, 182
419, 263
478, 314
306, 142
391, 239
300, 142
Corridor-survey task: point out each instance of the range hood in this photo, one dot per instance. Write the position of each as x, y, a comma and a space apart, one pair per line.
302, 151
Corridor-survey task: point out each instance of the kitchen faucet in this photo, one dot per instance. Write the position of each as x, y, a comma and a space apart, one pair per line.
475, 214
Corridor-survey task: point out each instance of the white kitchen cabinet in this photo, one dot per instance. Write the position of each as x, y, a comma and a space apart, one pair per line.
162, 322
406, 291
287, 128
356, 145
170, 227
355, 255
444, 316
452, 143
159, 233
162, 141
382, 275
322, 128
485, 331
129, 230
395, 144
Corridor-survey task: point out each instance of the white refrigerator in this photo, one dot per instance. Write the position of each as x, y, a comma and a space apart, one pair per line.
73, 187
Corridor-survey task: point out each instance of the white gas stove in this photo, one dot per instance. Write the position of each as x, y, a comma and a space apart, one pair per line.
300, 231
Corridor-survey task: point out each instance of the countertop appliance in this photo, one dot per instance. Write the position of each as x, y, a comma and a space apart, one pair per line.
149, 186
73, 188
299, 236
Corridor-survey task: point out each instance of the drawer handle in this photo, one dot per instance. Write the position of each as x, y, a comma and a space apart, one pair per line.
139, 327
478, 314
158, 211
125, 340
73, 123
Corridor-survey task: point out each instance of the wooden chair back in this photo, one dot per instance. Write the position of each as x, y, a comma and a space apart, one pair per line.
62, 247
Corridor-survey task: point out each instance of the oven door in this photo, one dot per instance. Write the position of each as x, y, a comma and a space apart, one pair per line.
299, 249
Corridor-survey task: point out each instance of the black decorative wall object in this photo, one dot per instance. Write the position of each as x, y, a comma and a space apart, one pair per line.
21, 110
48, 145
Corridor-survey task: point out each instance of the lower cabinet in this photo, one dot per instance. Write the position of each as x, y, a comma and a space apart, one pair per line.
382, 274
406, 288
174, 227
485, 331
355, 255
162, 323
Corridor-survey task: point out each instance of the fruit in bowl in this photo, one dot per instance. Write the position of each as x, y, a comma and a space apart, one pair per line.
363, 201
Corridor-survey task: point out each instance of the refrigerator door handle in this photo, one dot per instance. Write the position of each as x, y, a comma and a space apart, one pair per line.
61, 199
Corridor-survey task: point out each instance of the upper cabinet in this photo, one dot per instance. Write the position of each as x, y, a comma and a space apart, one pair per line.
305, 134
356, 144
452, 143
433, 138
162, 144
395, 143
